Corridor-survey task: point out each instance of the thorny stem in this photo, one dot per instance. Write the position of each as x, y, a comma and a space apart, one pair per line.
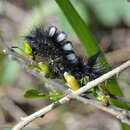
119, 113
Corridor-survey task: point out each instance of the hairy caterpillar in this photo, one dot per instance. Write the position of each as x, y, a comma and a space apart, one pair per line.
56, 58
58, 54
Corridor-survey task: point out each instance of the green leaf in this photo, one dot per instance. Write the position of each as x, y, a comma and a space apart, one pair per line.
54, 95
84, 81
34, 93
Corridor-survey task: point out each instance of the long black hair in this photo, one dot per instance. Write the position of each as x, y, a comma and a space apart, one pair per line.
58, 53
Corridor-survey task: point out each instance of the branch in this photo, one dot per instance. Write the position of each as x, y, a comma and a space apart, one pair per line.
119, 113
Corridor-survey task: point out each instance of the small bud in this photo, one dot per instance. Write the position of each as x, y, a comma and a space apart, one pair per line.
72, 82
27, 49
43, 68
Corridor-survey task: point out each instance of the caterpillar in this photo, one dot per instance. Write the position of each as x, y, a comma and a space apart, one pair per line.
55, 56
57, 52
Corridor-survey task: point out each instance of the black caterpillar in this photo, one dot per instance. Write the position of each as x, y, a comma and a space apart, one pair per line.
59, 56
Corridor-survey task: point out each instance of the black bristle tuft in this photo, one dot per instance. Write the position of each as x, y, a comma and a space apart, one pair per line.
92, 60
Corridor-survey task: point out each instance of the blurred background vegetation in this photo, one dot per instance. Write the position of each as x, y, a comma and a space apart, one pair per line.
109, 22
